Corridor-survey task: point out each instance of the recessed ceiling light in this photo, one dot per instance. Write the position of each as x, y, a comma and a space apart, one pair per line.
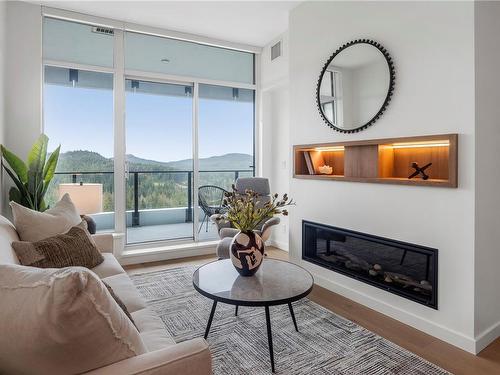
165, 60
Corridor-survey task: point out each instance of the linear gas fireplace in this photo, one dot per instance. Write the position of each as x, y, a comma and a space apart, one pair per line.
401, 268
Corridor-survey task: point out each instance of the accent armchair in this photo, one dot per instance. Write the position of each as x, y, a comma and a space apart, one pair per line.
210, 198
259, 185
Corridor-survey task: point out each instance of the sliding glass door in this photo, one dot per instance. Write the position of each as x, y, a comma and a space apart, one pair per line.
159, 159
161, 182
225, 142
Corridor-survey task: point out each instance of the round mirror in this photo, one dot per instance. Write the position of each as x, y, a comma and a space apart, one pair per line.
355, 86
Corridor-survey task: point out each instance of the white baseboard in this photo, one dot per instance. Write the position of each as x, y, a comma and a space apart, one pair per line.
487, 337
156, 254
443, 333
282, 245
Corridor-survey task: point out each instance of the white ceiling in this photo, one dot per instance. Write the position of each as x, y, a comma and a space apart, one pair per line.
249, 22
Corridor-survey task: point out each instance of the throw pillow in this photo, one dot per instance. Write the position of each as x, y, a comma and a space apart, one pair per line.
119, 302
32, 225
74, 248
60, 321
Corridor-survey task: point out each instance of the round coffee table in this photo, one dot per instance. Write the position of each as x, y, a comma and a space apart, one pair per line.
277, 282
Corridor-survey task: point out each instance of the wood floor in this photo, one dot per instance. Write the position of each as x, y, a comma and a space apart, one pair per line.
436, 351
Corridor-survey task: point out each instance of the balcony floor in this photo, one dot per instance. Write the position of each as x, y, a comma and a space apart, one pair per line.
149, 233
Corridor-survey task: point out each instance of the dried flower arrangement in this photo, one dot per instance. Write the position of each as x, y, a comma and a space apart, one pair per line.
245, 211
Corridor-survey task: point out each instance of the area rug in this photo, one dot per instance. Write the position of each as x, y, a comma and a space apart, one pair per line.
326, 343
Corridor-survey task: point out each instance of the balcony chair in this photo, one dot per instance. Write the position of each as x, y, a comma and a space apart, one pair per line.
210, 199
226, 232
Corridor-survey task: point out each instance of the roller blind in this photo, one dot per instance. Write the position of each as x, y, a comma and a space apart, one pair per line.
163, 55
77, 43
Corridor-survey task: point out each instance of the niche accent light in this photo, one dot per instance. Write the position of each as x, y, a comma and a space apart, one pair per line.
421, 144
330, 148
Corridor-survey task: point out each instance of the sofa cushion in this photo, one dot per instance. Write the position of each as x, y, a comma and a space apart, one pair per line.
74, 248
125, 289
8, 235
119, 302
60, 321
152, 330
34, 226
109, 267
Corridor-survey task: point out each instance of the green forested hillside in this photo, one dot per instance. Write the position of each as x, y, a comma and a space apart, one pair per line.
161, 187
222, 162
72, 161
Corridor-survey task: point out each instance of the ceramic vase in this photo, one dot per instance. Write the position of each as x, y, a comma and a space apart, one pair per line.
247, 252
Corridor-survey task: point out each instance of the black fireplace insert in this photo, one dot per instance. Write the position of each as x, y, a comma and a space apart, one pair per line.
405, 269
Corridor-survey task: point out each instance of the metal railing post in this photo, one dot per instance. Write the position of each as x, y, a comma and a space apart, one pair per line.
236, 175
135, 215
189, 211
73, 178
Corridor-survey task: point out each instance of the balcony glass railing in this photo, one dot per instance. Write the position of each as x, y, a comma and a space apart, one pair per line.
152, 197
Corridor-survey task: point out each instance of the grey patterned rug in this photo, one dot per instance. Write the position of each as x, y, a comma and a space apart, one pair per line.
326, 343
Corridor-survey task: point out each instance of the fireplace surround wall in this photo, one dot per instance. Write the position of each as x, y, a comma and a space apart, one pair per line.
405, 269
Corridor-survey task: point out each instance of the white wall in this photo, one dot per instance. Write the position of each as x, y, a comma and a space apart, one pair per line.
275, 72
3, 30
3, 53
23, 77
276, 158
487, 237
275, 129
432, 45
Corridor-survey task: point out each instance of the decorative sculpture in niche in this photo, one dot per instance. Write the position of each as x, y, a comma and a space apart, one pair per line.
419, 171
325, 169
355, 86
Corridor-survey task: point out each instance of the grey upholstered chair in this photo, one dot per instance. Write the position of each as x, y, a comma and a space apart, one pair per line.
226, 233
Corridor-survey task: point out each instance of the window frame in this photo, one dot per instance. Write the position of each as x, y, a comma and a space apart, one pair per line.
120, 74
335, 99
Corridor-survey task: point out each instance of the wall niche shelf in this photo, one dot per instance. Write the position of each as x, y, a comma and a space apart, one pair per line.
387, 161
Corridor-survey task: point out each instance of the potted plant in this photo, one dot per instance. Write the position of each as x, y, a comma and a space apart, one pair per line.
32, 178
247, 212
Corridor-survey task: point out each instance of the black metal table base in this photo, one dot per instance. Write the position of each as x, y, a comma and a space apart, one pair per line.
293, 316
210, 319
268, 326
270, 338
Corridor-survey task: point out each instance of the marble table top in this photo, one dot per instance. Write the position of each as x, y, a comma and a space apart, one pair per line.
276, 282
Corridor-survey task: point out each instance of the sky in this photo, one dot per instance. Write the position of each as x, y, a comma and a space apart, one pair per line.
158, 127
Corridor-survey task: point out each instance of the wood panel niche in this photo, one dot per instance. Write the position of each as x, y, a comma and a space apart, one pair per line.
387, 160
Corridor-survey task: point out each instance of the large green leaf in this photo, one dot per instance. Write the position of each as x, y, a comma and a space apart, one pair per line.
43, 152
17, 165
26, 199
36, 166
39, 196
43, 206
16, 196
16, 180
50, 167
37, 155
35, 187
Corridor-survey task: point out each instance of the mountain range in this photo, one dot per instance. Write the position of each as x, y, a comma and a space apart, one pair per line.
89, 161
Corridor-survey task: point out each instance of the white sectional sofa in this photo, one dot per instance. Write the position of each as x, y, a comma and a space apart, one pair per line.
163, 355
